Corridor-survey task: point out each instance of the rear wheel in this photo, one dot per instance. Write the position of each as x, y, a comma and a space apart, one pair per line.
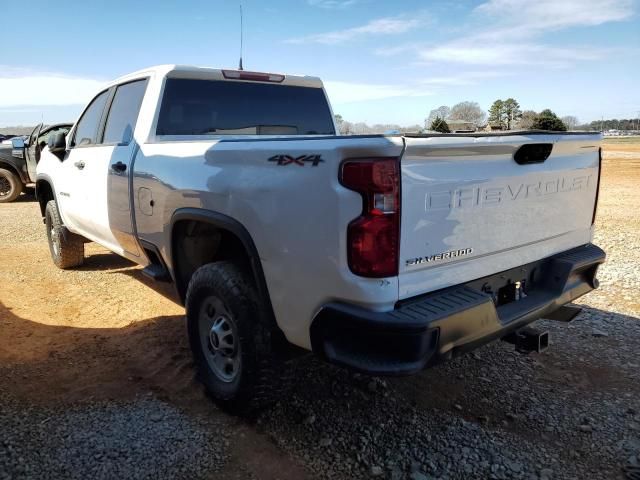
10, 186
230, 338
67, 248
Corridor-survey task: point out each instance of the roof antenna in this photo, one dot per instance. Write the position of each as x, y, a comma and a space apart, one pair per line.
240, 66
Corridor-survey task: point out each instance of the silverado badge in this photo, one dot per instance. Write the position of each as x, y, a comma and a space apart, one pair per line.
463, 252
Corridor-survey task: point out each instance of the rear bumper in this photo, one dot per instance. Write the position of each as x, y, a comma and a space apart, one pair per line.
430, 328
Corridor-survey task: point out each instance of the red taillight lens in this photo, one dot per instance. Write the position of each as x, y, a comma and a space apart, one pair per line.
373, 239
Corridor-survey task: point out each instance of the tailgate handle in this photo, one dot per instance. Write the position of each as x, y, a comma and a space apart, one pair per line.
533, 153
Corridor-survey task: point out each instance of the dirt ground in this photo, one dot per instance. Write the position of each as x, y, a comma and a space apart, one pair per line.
104, 332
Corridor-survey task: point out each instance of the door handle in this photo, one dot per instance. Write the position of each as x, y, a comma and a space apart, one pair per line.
79, 165
119, 167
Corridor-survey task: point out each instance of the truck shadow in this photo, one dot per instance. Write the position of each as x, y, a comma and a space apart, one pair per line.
26, 197
45, 363
113, 263
97, 262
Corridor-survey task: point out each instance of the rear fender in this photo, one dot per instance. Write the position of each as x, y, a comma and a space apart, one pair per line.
231, 225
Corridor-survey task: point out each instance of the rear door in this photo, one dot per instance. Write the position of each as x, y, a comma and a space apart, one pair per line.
118, 136
469, 209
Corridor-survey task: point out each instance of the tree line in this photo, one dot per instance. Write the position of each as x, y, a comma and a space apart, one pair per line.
612, 124
361, 128
502, 115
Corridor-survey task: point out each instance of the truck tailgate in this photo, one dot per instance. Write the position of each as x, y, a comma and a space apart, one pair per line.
469, 209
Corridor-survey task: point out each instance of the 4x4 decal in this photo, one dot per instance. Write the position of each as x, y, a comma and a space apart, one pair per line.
314, 160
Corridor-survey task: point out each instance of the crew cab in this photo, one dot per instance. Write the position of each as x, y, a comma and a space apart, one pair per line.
381, 253
19, 157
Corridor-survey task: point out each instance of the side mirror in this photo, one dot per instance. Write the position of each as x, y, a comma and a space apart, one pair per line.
57, 143
17, 143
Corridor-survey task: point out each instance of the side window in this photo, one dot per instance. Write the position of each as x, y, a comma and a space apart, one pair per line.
123, 113
87, 128
45, 138
51, 133
32, 137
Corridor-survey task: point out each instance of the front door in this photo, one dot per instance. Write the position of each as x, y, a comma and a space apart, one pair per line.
30, 153
92, 174
74, 190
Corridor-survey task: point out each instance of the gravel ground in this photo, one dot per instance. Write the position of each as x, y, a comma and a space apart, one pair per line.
95, 383
569, 413
142, 439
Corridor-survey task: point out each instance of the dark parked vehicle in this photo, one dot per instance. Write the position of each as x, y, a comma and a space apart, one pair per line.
6, 136
18, 160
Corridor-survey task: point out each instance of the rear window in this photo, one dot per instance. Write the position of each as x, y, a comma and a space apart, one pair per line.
214, 107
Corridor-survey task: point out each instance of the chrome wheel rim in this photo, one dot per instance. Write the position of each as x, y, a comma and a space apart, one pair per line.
219, 339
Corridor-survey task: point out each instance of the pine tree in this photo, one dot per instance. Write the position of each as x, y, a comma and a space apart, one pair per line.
440, 125
512, 112
497, 113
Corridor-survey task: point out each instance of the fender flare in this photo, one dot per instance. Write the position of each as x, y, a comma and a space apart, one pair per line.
42, 177
223, 222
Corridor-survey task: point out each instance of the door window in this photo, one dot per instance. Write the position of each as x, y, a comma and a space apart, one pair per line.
87, 128
32, 137
123, 113
44, 138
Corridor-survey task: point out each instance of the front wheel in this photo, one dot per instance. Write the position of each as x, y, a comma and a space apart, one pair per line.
67, 248
10, 186
230, 338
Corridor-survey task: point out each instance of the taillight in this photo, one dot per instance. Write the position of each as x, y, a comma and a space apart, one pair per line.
373, 239
595, 205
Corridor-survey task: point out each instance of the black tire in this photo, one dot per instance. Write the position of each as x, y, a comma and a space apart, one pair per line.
223, 289
67, 248
10, 186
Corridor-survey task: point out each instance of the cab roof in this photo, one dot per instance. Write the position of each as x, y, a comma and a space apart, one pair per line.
190, 71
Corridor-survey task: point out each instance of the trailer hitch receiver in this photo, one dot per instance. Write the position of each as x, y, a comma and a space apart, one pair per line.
527, 340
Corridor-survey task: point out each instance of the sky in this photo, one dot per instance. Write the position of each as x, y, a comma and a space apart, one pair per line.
381, 61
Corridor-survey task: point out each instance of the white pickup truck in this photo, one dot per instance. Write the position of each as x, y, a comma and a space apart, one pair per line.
385, 254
